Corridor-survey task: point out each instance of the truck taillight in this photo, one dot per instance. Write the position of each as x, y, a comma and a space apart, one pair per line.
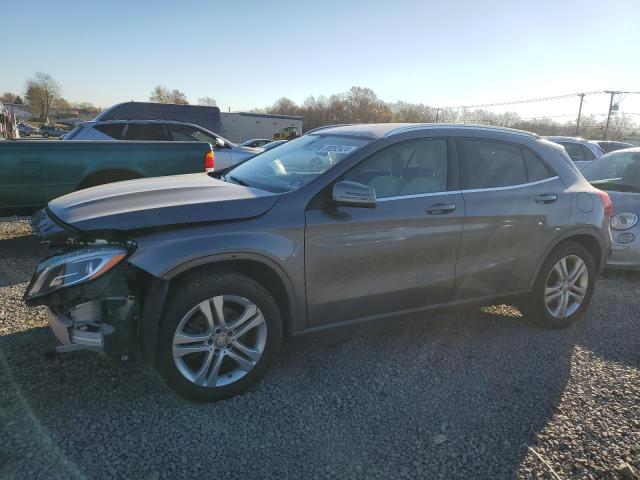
606, 201
209, 161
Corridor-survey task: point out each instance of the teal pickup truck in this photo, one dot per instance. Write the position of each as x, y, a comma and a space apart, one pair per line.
34, 172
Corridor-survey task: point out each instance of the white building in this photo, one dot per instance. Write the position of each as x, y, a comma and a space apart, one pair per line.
241, 126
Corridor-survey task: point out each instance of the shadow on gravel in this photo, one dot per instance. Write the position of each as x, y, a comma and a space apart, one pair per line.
13, 252
461, 394
613, 329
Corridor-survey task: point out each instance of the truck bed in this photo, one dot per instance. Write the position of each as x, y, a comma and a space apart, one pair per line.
34, 172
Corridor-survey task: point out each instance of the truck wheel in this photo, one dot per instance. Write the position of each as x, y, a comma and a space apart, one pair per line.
218, 335
563, 289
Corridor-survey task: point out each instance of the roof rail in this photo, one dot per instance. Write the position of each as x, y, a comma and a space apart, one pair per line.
425, 126
324, 127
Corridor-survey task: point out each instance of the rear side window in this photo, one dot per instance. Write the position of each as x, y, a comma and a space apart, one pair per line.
536, 170
114, 130
146, 131
492, 164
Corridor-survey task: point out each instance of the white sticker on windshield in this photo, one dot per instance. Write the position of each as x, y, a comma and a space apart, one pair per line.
337, 149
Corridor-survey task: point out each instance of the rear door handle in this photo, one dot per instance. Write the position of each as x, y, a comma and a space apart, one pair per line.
440, 208
546, 198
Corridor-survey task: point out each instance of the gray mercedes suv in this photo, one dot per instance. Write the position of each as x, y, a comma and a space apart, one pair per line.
203, 275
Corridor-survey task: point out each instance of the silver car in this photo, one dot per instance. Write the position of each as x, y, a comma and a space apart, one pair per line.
581, 151
203, 275
618, 173
226, 152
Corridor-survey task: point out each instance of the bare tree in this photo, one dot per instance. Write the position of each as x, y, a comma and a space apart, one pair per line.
42, 92
162, 94
284, 106
8, 97
207, 101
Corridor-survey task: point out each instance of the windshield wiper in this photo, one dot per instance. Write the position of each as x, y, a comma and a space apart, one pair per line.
238, 181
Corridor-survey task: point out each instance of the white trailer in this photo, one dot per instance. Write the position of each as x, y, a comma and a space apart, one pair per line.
241, 126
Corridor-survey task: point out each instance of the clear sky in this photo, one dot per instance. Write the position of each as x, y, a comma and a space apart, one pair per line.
248, 53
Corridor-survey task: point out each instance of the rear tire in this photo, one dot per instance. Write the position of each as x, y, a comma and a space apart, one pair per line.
231, 329
563, 288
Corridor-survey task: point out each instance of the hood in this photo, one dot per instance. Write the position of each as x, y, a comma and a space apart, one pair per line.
160, 202
624, 202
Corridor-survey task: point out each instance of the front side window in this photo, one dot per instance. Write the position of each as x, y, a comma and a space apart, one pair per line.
492, 164
407, 168
295, 163
186, 133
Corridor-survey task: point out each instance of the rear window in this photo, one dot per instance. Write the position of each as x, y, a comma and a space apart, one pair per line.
114, 130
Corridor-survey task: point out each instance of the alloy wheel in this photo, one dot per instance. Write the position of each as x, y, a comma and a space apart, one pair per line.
566, 286
219, 341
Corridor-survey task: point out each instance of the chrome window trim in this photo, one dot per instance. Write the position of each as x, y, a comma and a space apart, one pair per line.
418, 195
510, 187
471, 190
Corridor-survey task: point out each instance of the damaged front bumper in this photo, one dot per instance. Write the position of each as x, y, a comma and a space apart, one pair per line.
89, 289
84, 326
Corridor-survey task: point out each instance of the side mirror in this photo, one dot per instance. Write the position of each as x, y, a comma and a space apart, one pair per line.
353, 194
220, 143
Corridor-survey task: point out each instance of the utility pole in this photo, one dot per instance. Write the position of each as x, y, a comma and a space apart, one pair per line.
606, 129
579, 114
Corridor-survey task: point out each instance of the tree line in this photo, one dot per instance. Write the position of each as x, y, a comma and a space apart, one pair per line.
356, 105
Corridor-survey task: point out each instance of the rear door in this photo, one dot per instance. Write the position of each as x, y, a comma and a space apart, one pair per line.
398, 256
514, 202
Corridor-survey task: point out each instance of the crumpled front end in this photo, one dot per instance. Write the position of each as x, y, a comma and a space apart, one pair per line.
91, 292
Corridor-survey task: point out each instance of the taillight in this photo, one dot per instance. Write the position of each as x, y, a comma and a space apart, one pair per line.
209, 161
606, 201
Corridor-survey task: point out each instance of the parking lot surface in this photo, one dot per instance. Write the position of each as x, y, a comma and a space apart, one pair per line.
461, 394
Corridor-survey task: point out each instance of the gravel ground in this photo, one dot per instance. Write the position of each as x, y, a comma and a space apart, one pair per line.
475, 394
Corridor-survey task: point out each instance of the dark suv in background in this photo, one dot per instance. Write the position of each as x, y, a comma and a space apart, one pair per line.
204, 274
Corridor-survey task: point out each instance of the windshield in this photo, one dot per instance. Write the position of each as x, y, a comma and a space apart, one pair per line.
615, 171
295, 163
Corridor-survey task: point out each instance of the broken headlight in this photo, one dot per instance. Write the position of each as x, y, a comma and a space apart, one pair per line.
72, 268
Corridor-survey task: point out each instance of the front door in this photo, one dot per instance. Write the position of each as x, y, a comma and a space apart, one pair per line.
400, 255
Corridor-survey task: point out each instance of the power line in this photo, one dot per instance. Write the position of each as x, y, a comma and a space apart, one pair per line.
539, 99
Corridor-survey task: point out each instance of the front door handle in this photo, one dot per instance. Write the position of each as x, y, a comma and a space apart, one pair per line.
546, 198
440, 208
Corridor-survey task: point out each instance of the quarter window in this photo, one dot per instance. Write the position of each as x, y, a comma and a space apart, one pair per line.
407, 168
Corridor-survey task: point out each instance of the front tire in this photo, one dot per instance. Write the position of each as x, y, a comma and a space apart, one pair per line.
218, 335
563, 289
